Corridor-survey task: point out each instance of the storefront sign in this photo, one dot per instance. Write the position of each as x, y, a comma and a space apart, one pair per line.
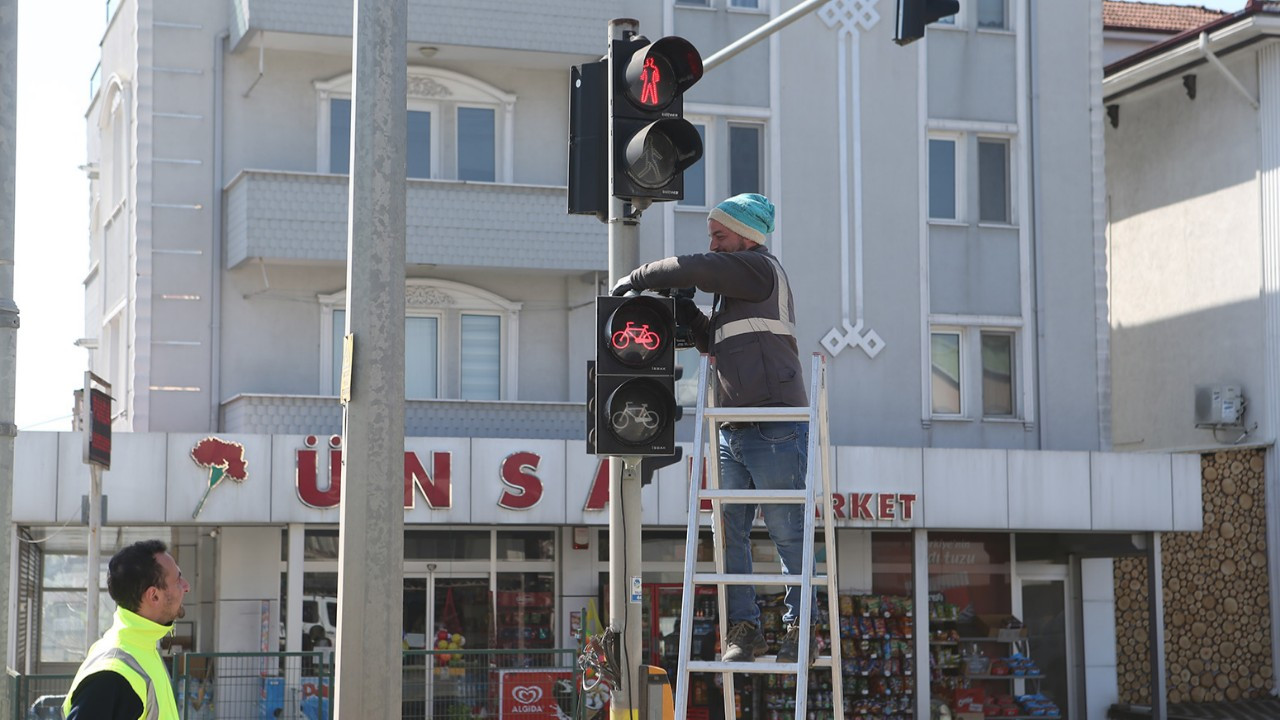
873, 506
532, 695
429, 476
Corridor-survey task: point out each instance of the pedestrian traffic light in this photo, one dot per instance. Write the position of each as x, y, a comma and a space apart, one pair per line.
632, 403
651, 143
913, 15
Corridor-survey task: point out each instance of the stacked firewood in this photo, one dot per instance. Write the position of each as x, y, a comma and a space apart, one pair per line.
1217, 619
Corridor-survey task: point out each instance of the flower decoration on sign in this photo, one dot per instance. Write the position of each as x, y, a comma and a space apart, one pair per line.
224, 459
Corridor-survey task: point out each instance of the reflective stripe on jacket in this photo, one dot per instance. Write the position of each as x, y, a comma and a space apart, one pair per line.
129, 650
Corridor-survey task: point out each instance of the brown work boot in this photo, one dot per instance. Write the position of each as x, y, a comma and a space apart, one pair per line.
789, 648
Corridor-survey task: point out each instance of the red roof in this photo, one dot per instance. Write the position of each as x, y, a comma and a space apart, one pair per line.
1155, 17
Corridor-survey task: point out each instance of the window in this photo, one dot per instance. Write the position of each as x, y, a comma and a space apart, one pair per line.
421, 354
746, 159
997, 374
454, 128
946, 371
973, 367
993, 181
942, 179
751, 4
991, 14
476, 148
456, 342
687, 386
481, 357
418, 144
695, 177
695, 3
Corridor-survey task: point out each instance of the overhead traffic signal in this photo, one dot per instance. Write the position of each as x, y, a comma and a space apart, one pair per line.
631, 403
650, 142
913, 15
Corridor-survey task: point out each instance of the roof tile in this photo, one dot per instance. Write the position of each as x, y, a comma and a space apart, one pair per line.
1156, 17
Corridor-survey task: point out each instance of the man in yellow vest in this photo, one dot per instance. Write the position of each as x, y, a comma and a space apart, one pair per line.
123, 677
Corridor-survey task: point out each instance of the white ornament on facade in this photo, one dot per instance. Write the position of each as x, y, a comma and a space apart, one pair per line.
426, 87
849, 14
846, 17
418, 296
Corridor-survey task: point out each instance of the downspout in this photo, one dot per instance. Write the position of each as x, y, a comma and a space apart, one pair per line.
215, 279
1037, 229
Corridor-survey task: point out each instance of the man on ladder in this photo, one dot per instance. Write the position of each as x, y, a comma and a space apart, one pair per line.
751, 333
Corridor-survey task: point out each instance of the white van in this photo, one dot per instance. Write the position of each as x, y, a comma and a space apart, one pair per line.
323, 611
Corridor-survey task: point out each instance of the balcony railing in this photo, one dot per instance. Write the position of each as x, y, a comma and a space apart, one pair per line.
303, 216
553, 26
319, 415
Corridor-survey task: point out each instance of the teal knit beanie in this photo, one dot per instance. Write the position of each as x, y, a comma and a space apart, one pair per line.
750, 215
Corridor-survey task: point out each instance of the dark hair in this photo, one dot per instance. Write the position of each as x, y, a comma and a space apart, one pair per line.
133, 570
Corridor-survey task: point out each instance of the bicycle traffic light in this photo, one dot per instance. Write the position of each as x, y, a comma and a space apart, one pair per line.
650, 142
631, 403
913, 15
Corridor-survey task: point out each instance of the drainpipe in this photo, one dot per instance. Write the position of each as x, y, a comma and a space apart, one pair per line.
215, 279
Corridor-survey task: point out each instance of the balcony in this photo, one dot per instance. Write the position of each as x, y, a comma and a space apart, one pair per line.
549, 26
318, 415
303, 217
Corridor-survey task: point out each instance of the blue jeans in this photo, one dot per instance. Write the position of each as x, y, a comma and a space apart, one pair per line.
767, 456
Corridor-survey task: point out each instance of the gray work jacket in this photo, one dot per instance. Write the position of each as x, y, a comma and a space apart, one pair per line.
751, 331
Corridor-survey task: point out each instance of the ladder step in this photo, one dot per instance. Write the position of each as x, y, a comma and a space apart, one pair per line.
755, 579
764, 665
757, 414
769, 497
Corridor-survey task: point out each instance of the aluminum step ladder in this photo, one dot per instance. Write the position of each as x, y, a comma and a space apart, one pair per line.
812, 496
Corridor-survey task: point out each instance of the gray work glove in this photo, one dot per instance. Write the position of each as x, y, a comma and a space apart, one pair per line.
622, 287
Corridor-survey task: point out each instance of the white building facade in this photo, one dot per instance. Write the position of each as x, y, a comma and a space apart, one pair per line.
941, 216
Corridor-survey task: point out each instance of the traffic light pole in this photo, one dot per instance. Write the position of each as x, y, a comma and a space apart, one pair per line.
625, 583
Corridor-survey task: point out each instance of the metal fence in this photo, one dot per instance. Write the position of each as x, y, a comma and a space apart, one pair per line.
449, 685
39, 697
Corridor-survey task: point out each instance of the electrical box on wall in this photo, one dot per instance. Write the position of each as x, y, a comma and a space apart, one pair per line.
1219, 406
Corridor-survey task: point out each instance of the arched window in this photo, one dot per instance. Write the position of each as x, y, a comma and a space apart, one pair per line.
459, 342
458, 127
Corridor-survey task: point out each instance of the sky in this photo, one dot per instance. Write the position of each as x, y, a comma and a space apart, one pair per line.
57, 52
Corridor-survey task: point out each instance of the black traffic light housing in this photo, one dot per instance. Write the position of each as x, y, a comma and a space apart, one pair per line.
651, 144
631, 402
589, 140
913, 15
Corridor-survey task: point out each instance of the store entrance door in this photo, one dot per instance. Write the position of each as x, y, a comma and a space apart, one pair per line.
1046, 612
453, 609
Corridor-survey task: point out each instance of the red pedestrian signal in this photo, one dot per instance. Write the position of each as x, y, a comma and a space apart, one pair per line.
651, 144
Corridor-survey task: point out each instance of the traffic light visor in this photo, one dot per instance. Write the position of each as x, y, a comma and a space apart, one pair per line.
659, 72
638, 331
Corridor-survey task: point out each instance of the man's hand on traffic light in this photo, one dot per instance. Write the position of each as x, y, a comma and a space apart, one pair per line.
622, 287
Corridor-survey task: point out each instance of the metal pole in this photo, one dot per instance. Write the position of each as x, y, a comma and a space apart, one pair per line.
624, 482
760, 33
371, 534
8, 313
91, 633
1155, 627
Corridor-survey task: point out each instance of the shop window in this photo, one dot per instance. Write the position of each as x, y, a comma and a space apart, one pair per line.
526, 545
446, 545
525, 611
320, 545
63, 605
892, 560
971, 571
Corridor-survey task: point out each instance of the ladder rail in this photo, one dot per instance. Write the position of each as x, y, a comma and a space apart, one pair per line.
691, 548
818, 449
